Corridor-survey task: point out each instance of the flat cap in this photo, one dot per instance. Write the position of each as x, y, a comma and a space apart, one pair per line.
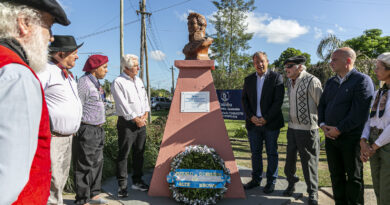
296, 60
385, 58
50, 6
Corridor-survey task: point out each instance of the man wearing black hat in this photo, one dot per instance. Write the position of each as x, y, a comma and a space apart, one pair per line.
65, 109
25, 127
304, 91
262, 99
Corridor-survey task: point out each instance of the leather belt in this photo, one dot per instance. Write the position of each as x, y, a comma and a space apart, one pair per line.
59, 135
83, 123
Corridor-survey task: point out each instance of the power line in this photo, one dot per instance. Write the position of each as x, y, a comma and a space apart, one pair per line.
106, 30
131, 22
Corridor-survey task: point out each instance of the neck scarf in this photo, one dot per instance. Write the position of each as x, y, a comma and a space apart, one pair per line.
381, 101
15, 46
97, 85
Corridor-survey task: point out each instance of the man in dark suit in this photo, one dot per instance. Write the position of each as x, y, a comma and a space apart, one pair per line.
262, 99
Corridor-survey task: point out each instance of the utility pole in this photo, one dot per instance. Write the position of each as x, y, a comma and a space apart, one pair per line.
121, 33
141, 60
173, 82
144, 49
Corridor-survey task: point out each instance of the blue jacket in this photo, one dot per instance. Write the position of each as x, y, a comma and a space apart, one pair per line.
346, 106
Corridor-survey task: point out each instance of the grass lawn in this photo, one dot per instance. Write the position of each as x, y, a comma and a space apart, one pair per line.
243, 156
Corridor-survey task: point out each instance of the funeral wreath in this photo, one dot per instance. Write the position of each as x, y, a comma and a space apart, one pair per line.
198, 176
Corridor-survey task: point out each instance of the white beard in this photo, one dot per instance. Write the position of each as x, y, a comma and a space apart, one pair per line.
36, 48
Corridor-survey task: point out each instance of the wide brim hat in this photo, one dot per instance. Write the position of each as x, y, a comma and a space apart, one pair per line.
63, 43
94, 61
50, 6
296, 60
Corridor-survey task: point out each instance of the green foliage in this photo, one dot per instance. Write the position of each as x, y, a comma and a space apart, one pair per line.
231, 40
241, 132
288, 53
159, 92
107, 87
234, 80
199, 161
322, 71
327, 46
370, 44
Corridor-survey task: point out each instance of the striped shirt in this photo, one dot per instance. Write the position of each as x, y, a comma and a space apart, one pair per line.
91, 99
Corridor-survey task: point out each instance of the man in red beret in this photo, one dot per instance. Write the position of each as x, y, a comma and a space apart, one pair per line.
89, 140
65, 109
25, 31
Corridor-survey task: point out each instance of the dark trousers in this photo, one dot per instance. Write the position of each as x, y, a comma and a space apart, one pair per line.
87, 155
130, 137
307, 143
257, 136
346, 169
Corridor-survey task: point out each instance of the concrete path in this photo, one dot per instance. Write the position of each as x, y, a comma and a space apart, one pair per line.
254, 196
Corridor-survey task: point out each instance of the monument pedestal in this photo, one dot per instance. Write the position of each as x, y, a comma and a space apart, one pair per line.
196, 128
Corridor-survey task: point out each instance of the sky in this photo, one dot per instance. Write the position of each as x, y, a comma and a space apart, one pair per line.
276, 24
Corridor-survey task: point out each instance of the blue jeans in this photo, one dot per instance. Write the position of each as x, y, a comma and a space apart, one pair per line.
257, 136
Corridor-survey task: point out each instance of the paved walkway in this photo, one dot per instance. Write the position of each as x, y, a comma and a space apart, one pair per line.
254, 196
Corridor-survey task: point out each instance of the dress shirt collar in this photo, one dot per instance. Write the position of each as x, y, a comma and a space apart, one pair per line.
340, 80
266, 72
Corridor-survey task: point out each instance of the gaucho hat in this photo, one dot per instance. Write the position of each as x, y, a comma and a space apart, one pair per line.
63, 43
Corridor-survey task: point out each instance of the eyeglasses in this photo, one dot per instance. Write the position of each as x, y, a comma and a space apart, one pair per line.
289, 65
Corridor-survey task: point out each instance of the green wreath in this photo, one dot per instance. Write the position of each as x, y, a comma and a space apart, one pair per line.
198, 157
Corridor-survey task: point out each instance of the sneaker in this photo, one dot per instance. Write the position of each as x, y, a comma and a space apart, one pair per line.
290, 190
269, 188
122, 192
141, 186
252, 184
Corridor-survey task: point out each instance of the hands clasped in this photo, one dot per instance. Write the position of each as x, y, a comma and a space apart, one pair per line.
258, 121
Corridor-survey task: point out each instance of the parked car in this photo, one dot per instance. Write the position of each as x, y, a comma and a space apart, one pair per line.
159, 103
108, 104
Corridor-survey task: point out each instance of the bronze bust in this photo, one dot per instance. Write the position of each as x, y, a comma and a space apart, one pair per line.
197, 48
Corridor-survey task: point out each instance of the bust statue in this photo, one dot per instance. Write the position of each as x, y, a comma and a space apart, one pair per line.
197, 48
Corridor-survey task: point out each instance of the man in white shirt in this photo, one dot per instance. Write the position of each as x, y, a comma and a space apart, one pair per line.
65, 109
132, 108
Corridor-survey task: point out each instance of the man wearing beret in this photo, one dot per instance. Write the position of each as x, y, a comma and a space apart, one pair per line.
262, 99
132, 107
304, 91
65, 109
342, 112
25, 32
89, 141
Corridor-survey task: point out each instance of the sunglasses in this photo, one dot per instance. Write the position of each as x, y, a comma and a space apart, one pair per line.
289, 65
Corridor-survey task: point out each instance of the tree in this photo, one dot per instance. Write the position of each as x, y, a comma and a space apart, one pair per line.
288, 53
370, 44
159, 92
327, 46
107, 87
231, 40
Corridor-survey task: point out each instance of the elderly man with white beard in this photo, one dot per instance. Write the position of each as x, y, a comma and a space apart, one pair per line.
24, 120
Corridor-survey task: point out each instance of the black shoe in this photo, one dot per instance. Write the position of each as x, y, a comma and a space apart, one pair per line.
122, 192
140, 185
290, 190
269, 188
313, 199
313, 202
252, 184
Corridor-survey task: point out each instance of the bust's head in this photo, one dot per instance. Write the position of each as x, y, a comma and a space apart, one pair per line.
196, 22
